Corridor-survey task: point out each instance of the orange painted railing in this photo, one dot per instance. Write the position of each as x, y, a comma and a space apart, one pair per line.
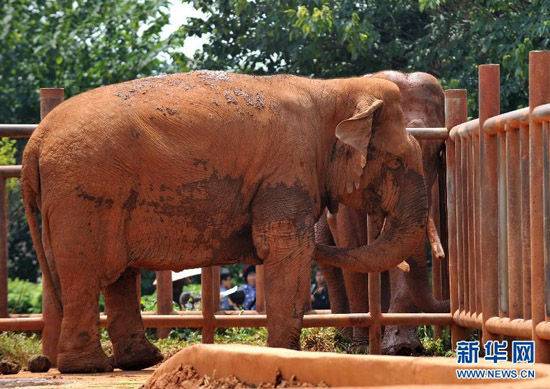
499, 214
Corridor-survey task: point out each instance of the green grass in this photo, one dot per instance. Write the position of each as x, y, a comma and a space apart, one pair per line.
433, 346
19, 347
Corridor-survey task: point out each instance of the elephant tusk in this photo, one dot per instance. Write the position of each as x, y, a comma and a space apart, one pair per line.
404, 267
435, 242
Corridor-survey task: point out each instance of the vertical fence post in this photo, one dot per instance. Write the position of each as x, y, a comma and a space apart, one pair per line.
3, 249
51, 311
443, 224
513, 213
539, 93
489, 105
207, 304
164, 298
456, 112
260, 289
375, 304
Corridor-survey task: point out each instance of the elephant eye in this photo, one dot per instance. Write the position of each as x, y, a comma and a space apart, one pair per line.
394, 163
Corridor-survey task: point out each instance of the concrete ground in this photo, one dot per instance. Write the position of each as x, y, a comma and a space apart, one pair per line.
116, 379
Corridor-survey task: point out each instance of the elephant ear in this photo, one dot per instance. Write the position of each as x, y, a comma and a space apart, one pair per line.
356, 131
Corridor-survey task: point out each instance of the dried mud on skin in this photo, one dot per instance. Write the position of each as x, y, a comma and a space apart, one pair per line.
186, 377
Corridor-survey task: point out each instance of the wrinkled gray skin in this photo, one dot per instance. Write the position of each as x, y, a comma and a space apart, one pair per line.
423, 106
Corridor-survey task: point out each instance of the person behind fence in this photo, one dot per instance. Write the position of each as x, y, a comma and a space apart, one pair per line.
249, 288
226, 283
319, 292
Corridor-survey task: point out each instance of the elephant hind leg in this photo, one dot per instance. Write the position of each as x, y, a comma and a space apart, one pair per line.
79, 349
131, 349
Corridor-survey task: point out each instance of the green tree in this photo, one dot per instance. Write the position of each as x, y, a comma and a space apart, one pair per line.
322, 38
78, 45
463, 34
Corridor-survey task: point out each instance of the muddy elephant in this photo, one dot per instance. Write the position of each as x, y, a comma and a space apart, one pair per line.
423, 106
211, 168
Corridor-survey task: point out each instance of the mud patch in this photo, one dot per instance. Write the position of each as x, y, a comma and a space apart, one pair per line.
99, 201
255, 100
213, 77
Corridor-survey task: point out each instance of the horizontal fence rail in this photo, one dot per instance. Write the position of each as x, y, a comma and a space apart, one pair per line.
499, 213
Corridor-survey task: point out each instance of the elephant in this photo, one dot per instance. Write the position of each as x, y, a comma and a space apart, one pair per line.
423, 106
211, 168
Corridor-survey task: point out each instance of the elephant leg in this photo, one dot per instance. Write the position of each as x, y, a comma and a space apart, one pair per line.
333, 276
285, 244
132, 351
400, 340
338, 297
79, 347
357, 291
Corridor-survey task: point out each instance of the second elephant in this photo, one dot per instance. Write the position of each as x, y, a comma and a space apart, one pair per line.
423, 106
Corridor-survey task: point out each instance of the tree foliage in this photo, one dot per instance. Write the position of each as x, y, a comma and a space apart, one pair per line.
463, 34
321, 38
75, 44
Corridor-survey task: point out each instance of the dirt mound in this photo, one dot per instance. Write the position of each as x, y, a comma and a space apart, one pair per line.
186, 377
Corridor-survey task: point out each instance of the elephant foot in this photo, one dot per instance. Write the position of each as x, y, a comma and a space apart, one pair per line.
400, 340
84, 362
136, 353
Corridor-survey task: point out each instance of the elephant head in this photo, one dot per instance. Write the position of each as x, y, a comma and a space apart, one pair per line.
376, 166
425, 102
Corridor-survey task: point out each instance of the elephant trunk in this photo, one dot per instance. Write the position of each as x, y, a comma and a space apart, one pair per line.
403, 234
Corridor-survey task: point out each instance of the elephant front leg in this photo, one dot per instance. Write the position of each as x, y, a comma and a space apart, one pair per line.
287, 251
131, 349
357, 287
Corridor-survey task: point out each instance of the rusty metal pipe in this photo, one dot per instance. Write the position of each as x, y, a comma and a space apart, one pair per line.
207, 305
489, 105
455, 113
513, 212
525, 221
164, 298
17, 130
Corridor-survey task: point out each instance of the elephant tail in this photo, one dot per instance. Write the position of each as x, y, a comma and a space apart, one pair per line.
30, 186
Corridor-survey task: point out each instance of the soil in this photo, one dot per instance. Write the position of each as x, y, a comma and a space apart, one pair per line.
187, 378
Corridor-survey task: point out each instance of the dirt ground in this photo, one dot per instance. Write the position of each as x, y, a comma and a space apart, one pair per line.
116, 379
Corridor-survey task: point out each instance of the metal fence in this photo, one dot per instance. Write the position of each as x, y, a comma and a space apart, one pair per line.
490, 197
499, 214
